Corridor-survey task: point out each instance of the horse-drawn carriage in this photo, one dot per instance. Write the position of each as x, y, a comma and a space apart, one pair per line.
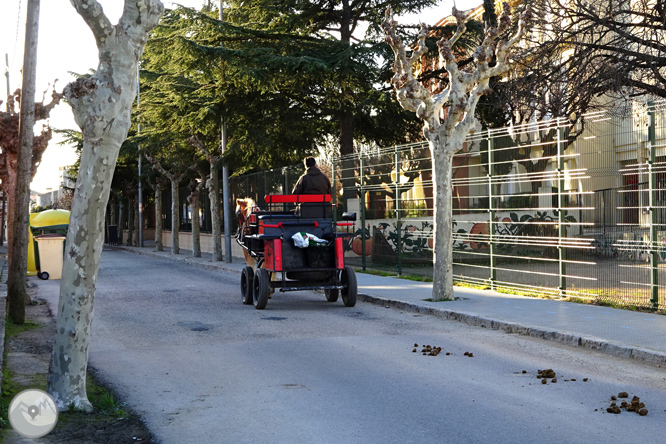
274, 260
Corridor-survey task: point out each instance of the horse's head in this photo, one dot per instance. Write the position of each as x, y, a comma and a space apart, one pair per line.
244, 209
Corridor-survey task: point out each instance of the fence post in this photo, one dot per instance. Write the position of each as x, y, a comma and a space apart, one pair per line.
285, 185
652, 183
285, 181
334, 191
362, 206
397, 209
491, 212
263, 175
561, 212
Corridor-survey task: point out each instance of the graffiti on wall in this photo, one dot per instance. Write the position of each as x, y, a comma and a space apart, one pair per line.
637, 250
416, 239
538, 224
413, 240
606, 248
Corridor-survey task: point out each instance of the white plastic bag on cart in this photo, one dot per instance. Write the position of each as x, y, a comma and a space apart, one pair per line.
300, 241
304, 240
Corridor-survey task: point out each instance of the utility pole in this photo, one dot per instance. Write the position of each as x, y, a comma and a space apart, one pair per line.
4, 194
7, 75
138, 105
225, 183
18, 267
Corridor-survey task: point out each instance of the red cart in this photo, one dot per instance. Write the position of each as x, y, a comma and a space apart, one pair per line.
278, 264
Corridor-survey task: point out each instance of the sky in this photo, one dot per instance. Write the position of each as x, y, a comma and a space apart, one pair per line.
65, 44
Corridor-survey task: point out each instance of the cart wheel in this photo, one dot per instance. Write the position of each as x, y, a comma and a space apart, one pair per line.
247, 276
261, 287
348, 279
44, 275
332, 294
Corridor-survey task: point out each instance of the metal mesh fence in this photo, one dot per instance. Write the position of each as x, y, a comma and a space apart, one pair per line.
255, 186
547, 208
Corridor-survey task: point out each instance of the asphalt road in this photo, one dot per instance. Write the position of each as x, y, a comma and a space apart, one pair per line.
177, 344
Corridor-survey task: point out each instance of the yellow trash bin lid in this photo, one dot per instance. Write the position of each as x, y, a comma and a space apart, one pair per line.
51, 221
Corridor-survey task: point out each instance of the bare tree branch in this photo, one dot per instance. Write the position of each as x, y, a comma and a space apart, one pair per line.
455, 105
93, 14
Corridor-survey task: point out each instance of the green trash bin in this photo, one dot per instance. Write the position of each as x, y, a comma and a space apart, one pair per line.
48, 222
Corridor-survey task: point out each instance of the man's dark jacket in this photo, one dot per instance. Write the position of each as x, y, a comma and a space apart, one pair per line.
312, 182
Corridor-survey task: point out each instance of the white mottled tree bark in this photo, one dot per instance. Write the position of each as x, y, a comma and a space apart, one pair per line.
121, 220
158, 218
196, 228
213, 185
131, 218
136, 224
158, 186
175, 180
175, 216
193, 199
102, 106
448, 117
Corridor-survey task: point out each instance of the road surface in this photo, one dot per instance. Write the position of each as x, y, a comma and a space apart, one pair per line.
178, 345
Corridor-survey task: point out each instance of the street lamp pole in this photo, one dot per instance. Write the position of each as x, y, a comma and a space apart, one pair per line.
225, 184
138, 104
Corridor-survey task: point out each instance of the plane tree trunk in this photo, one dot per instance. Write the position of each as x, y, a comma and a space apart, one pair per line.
448, 116
213, 186
131, 218
193, 199
175, 217
102, 106
175, 178
158, 186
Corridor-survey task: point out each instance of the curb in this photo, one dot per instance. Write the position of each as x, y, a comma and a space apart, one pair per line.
648, 356
187, 260
570, 339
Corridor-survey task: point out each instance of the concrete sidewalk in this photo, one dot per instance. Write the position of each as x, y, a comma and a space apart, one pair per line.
617, 332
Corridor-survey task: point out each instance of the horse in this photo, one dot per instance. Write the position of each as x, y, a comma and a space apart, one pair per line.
245, 207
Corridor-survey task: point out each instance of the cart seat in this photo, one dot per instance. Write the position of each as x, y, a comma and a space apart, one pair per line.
276, 216
314, 210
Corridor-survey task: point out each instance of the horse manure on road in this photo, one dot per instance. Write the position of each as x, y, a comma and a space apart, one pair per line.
428, 350
431, 350
545, 374
635, 405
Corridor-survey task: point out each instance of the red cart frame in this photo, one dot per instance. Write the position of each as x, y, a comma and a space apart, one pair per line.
280, 265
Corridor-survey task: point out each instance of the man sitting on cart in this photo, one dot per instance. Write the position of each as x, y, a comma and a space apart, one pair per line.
313, 181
